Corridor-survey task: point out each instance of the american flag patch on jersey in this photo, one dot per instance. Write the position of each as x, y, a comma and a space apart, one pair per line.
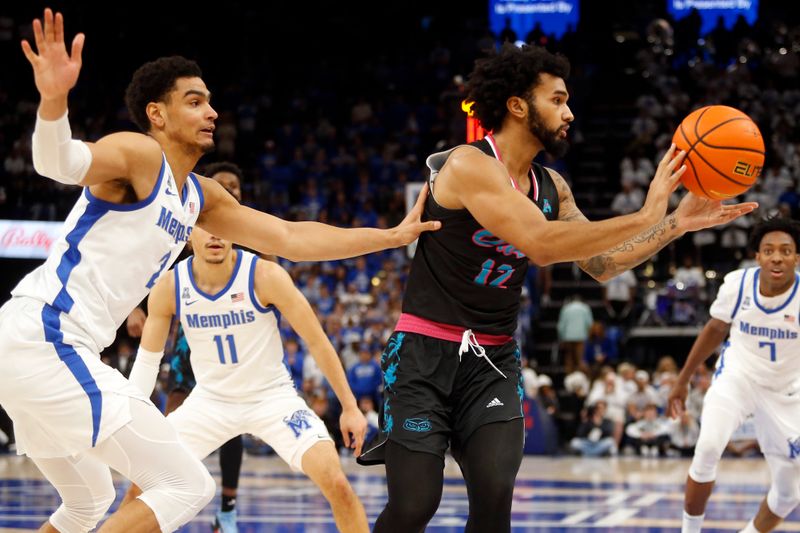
191, 208
788, 318
237, 297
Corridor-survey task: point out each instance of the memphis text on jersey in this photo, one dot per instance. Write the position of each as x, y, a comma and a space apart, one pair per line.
172, 226
770, 333
232, 318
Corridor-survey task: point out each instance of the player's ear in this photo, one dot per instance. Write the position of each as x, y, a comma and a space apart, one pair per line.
156, 112
517, 106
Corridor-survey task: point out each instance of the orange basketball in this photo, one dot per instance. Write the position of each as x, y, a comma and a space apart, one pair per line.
724, 151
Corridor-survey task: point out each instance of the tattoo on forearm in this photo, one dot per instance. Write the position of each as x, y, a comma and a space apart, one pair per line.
632, 252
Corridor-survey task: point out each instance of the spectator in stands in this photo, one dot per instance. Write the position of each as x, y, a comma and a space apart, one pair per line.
600, 349
644, 396
629, 200
574, 322
650, 435
683, 435
365, 377
595, 435
614, 397
546, 396
619, 296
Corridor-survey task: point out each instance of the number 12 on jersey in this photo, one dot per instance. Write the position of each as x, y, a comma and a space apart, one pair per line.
487, 268
221, 348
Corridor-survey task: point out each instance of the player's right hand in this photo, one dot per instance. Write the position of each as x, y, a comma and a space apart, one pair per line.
54, 70
666, 180
676, 402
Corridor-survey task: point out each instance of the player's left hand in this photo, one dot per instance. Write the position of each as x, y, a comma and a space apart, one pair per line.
354, 428
695, 213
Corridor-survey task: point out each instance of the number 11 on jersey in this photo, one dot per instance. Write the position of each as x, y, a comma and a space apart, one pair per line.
221, 348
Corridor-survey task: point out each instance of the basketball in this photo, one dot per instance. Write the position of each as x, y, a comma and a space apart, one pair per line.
724, 151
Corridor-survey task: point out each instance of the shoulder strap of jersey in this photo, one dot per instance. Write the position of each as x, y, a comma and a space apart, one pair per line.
251, 287
741, 291
547, 187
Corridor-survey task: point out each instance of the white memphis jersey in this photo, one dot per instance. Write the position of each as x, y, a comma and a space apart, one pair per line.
235, 342
764, 341
110, 255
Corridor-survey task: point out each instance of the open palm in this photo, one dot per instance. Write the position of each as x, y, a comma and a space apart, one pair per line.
54, 71
696, 213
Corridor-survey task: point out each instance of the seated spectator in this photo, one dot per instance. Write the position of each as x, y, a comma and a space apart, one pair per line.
629, 200
637, 169
367, 407
546, 394
650, 435
595, 435
700, 385
643, 396
572, 400
608, 391
627, 377
665, 364
683, 435
744, 441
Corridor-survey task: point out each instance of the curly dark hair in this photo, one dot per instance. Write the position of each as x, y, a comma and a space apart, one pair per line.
152, 81
510, 72
223, 166
776, 223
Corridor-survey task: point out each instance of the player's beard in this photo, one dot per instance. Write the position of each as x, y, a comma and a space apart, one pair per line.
554, 145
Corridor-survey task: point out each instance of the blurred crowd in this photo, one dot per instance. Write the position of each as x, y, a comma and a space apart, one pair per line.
343, 152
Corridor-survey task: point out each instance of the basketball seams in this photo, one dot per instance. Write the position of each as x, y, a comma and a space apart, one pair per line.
696, 179
717, 147
718, 171
700, 141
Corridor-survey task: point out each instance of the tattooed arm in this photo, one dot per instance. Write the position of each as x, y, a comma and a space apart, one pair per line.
626, 254
692, 214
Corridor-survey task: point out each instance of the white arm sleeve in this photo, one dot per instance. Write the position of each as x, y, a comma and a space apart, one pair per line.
145, 370
727, 296
56, 154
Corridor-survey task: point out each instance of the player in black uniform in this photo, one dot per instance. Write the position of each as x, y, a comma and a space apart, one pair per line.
451, 369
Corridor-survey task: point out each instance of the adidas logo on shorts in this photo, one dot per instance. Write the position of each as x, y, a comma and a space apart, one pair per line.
494, 403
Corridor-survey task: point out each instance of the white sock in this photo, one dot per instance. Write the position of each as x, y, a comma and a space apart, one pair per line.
750, 527
692, 524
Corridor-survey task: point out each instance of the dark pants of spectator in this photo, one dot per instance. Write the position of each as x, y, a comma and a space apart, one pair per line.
572, 353
660, 443
684, 452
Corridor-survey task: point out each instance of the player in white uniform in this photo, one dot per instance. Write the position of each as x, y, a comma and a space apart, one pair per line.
228, 303
73, 415
757, 310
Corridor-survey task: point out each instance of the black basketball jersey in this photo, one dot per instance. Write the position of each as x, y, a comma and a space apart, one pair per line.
462, 274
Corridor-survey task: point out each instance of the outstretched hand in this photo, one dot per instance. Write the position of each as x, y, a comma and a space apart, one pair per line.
696, 213
55, 71
409, 229
666, 180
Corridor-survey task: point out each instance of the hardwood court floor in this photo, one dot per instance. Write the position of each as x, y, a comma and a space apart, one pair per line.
627, 494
